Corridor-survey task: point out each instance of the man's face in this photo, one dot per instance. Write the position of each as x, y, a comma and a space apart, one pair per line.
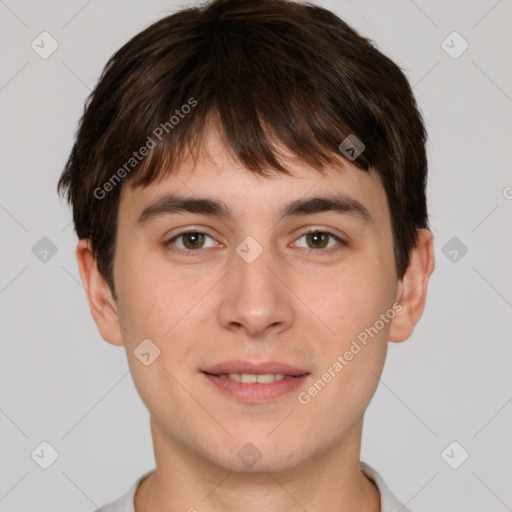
255, 288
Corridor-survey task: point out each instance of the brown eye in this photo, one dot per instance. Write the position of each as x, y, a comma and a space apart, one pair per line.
193, 240
189, 242
315, 240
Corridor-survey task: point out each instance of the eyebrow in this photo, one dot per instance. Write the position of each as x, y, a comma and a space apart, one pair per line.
173, 203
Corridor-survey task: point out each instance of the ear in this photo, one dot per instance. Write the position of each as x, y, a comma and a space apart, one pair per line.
101, 303
412, 288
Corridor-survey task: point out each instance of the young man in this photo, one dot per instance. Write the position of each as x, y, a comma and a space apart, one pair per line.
248, 189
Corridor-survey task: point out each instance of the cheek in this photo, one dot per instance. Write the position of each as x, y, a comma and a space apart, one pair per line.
354, 299
360, 311
160, 309
152, 298
356, 352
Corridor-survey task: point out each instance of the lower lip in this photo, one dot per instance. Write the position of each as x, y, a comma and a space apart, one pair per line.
256, 393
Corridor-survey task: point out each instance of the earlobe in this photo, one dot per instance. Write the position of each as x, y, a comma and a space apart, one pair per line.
101, 303
412, 288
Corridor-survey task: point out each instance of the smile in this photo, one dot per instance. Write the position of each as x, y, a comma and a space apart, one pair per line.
252, 388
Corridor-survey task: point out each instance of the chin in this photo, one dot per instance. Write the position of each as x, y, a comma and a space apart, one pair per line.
261, 462
257, 452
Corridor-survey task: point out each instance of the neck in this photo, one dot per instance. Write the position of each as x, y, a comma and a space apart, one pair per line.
183, 480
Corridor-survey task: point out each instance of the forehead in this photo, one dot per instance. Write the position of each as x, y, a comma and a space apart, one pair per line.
216, 174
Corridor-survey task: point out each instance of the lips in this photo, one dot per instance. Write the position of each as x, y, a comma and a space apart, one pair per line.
246, 367
255, 383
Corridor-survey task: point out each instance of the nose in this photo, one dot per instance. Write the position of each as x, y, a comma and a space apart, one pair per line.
256, 301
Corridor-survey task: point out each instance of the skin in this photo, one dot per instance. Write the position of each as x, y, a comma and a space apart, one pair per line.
300, 308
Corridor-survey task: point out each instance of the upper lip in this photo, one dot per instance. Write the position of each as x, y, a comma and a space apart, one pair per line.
254, 368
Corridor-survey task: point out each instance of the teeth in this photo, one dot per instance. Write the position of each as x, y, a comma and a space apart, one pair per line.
248, 378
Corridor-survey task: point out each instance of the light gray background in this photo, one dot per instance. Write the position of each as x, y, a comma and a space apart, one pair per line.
61, 383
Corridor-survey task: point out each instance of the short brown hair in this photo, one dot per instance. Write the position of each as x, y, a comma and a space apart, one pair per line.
264, 71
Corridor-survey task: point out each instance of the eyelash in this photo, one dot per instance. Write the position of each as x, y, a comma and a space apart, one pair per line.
318, 252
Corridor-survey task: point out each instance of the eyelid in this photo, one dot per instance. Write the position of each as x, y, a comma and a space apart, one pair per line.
320, 229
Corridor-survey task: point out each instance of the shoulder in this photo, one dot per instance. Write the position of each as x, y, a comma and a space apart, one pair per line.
388, 502
125, 503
